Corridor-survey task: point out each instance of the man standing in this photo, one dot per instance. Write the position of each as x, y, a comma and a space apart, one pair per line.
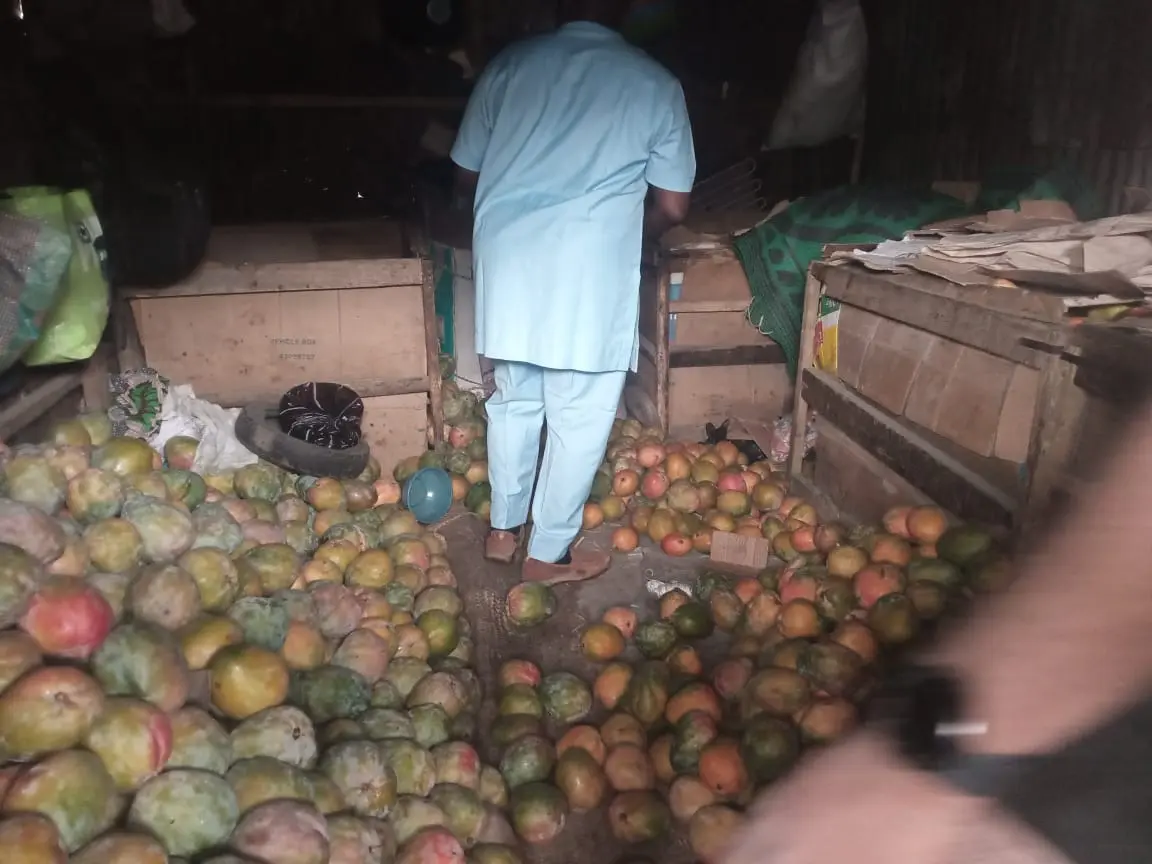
562, 141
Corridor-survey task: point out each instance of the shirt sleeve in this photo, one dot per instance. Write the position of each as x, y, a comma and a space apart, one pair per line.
476, 128
672, 162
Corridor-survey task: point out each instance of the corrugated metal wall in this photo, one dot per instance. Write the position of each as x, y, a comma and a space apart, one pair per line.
958, 89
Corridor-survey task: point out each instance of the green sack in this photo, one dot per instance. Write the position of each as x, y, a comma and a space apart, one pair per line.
74, 326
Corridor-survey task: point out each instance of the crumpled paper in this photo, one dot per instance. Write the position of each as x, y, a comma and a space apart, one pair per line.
658, 587
214, 427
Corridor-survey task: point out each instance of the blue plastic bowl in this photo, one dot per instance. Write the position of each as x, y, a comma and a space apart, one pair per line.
428, 494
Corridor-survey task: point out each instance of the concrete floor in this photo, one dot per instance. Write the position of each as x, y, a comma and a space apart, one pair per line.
554, 646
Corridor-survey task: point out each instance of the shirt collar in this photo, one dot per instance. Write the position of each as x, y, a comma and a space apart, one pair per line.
590, 28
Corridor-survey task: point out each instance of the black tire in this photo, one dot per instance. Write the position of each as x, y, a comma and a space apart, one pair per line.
258, 429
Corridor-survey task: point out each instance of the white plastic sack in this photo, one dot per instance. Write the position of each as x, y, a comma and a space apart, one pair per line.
214, 427
171, 18
825, 99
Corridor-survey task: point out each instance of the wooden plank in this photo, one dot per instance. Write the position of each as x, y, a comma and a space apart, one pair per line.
941, 477
647, 349
303, 100
805, 488
211, 278
863, 487
1022, 303
968, 323
742, 355
366, 388
709, 394
432, 346
806, 359
125, 335
28, 407
649, 287
688, 306
1056, 435
95, 378
1113, 362
663, 286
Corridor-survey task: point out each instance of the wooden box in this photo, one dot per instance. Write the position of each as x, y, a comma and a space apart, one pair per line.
960, 395
278, 305
700, 360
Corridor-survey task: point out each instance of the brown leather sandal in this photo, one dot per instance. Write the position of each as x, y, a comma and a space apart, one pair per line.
501, 546
586, 564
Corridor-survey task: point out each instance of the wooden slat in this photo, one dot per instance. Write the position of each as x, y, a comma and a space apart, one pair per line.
125, 334
300, 257
742, 355
936, 311
942, 477
432, 346
29, 407
213, 278
1018, 302
95, 378
863, 487
647, 349
365, 388
1113, 362
1055, 436
688, 306
302, 100
806, 357
663, 286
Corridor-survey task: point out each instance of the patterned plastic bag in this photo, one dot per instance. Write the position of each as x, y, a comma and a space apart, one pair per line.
33, 259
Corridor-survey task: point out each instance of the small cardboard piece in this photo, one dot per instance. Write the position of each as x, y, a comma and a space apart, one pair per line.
736, 550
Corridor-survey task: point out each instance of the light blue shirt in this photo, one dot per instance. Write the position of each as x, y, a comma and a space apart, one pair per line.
567, 131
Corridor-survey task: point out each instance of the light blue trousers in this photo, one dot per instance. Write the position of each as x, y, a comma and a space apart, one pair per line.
579, 408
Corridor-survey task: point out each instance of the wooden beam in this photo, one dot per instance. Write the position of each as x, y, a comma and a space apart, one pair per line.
770, 354
97, 370
1055, 436
663, 385
708, 306
432, 347
969, 323
212, 278
806, 358
125, 334
1113, 362
303, 100
29, 407
941, 477
364, 387
863, 487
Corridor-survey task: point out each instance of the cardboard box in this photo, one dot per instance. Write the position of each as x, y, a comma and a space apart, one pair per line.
983, 403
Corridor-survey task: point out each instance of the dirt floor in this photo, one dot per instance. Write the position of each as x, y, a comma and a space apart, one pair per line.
554, 646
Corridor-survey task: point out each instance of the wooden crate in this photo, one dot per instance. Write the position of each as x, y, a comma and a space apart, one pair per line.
700, 360
962, 395
277, 305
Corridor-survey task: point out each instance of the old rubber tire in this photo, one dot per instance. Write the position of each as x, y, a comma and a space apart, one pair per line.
258, 429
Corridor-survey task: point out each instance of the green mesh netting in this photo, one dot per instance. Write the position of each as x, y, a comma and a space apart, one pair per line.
776, 255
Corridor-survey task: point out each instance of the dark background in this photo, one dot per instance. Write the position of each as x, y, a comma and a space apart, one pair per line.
90, 96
